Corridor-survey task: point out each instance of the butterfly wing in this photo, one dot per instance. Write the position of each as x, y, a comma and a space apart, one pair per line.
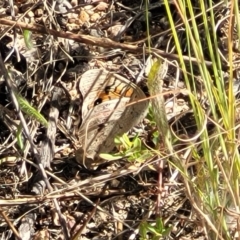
107, 110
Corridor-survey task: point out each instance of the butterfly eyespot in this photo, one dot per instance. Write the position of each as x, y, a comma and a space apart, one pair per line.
107, 89
100, 127
97, 102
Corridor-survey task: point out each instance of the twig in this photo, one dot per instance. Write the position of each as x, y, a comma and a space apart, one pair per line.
10, 224
13, 90
102, 42
79, 232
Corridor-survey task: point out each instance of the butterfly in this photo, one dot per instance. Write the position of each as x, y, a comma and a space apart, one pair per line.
111, 107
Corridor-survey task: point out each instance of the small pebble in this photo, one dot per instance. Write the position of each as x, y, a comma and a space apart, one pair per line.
72, 27
38, 12
74, 3
83, 16
30, 14
95, 17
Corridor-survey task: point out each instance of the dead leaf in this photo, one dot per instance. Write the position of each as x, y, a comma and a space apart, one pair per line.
42, 235
83, 16
102, 6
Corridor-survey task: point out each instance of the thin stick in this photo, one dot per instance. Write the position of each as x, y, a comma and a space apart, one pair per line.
96, 41
10, 224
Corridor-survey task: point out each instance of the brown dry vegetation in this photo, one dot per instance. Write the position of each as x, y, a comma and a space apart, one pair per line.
45, 193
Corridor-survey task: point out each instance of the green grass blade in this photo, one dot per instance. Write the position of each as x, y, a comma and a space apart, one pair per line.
155, 82
27, 38
30, 111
